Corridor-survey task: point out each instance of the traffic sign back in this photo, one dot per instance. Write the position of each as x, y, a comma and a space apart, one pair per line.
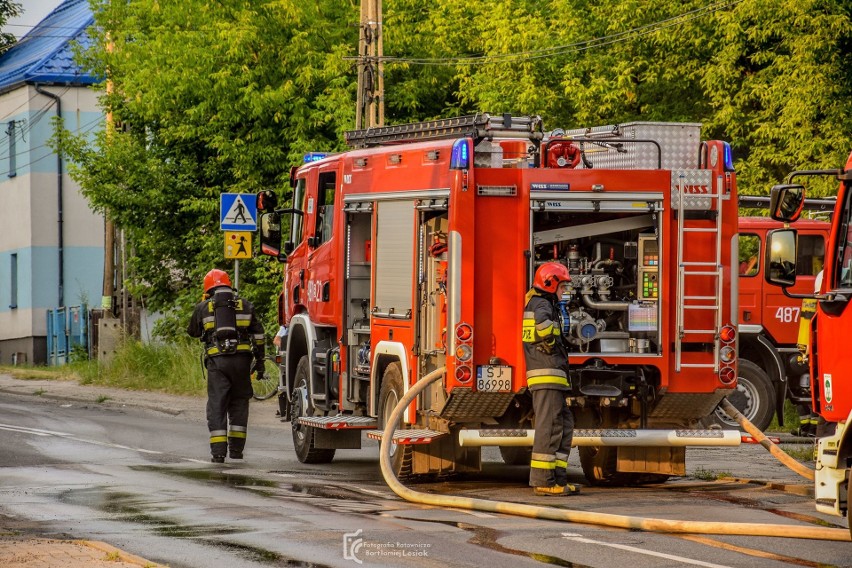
237, 212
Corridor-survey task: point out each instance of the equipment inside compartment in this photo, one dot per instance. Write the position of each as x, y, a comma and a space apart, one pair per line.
612, 302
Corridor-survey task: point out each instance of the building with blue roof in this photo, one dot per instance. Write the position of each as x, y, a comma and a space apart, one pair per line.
52, 243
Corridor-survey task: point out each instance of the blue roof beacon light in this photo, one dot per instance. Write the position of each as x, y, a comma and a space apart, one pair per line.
314, 157
729, 157
460, 156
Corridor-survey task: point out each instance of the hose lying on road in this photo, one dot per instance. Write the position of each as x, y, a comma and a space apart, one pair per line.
571, 516
755, 433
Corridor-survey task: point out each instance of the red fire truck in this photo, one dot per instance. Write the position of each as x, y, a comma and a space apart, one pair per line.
831, 371
771, 369
413, 252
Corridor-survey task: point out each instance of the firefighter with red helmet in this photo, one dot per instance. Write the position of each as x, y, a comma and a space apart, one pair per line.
232, 337
547, 379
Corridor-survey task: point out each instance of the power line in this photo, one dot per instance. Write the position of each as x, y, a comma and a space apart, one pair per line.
575, 47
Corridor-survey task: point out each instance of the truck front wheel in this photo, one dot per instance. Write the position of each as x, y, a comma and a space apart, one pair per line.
754, 397
303, 435
389, 396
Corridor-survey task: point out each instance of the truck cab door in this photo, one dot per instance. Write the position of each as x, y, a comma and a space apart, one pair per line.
322, 258
297, 257
781, 313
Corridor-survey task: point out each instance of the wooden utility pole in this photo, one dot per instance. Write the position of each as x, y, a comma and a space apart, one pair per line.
109, 228
370, 109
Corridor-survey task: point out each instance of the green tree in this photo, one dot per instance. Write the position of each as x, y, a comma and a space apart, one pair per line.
8, 9
207, 99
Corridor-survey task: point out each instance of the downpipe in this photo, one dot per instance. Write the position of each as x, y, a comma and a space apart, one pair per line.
571, 516
753, 431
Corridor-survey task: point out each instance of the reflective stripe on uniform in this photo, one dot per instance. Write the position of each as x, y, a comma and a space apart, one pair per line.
562, 464
542, 465
528, 333
547, 380
234, 434
218, 439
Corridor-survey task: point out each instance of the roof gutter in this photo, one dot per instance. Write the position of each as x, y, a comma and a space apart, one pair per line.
59, 200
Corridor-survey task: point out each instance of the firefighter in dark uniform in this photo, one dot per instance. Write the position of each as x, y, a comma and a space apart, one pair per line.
547, 379
232, 338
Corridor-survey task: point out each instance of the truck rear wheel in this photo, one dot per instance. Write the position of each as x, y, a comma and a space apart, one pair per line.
600, 465
389, 396
303, 436
516, 455
754, 397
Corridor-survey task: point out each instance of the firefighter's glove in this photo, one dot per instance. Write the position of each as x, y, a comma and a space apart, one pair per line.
546, 346
258, 368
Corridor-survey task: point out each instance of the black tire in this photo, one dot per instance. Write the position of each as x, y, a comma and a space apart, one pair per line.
303, 436
754, 397
389, 395
268, 385
516, 455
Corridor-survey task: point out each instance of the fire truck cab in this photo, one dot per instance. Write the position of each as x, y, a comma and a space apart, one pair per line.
771, 368
831, 377
413, 251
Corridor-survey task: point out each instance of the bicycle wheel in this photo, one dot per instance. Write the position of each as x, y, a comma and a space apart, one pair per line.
268, 385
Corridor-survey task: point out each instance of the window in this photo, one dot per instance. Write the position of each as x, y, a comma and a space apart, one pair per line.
843, 269
811, 255
325, 206
13, 284
300, 202
749, 255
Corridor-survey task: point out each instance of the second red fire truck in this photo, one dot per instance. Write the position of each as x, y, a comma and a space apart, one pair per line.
412, 252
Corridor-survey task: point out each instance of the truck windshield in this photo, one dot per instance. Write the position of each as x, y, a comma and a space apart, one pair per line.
843, 269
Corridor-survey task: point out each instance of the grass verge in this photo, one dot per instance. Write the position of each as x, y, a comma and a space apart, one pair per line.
171, 368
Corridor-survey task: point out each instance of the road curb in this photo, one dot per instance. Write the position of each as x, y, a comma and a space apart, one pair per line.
108, 400
118, 553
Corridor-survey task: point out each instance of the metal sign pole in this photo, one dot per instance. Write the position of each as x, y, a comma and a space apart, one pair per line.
236, 274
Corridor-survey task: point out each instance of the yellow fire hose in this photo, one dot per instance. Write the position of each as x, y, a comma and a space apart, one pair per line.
571, 516
752, 430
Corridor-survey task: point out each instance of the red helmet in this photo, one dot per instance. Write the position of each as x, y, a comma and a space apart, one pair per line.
215, 278
549, 275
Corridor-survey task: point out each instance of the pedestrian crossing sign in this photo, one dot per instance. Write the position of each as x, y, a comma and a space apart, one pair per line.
237, 244
237, 212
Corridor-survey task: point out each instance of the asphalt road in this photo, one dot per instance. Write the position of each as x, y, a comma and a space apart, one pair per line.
133, 471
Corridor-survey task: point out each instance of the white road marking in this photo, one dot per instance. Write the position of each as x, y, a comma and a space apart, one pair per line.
67, 436
578, 538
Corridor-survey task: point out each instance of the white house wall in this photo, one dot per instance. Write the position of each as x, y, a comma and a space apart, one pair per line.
29, 217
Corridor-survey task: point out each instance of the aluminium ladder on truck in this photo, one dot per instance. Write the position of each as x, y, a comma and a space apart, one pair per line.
690, 270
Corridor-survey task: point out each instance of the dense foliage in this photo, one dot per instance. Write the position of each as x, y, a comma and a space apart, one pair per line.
226, 96
8, 9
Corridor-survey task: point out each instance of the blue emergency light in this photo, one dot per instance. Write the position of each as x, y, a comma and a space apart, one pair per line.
729, 158
460, 156
314, 157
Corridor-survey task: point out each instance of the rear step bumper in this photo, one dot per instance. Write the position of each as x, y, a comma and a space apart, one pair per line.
612, 437
523, 437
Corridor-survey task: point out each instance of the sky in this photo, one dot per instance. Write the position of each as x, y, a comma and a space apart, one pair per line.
34, 11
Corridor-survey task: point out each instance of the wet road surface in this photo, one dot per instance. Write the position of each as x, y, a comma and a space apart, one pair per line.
141, 480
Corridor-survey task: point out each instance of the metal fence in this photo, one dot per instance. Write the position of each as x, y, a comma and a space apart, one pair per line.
67, 330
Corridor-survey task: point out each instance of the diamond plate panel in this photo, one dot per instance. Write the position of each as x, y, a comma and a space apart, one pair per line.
408, 437
695, 184
464, 403
687, 406
679, 145
338, 422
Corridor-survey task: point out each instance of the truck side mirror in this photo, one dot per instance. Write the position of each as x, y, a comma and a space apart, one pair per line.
266, 200
786, 202
780, 261
270, 235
